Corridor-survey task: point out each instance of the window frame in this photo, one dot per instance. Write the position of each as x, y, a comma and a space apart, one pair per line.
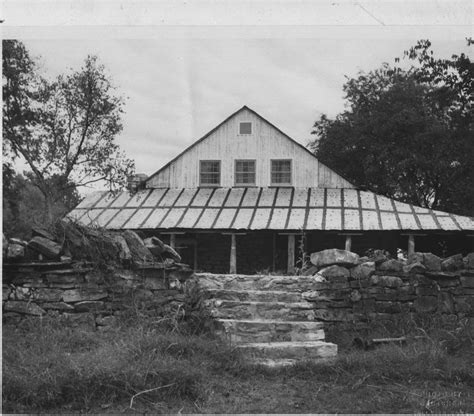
210, 185
251, 128
242, 184
290, 183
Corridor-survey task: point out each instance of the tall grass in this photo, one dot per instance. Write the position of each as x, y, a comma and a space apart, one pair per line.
48, 366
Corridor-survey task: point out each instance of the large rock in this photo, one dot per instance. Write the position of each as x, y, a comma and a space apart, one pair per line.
124, 251
27, 308
41, 232
334, 256
46, 247
15, 252
155, 245
391, 266
469, 261
414, 268
452, 263
140, 252
432, 262
79, 295
363, 271
386, 281
335, 273
170, 252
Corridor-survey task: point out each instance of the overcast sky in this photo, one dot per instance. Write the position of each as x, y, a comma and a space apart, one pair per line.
180, 88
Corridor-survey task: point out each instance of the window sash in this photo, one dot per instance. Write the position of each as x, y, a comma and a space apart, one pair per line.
210, 172
281, 172
245, 172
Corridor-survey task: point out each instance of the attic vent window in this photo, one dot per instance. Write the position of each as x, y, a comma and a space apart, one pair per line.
210, 173
245, 128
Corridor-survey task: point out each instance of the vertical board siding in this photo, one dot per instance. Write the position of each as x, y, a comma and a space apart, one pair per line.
227, 145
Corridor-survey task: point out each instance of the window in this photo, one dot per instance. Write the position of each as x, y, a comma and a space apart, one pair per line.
210, 173
245, 172
245, 128
281, 172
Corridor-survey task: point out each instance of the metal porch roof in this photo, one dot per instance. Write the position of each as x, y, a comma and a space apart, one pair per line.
347, 210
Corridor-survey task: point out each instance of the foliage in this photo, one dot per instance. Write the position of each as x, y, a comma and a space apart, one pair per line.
65, 129
23, 205
407, 133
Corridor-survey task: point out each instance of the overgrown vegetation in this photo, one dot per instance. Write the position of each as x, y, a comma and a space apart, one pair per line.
167, 368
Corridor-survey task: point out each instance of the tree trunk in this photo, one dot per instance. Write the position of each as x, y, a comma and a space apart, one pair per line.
48, 205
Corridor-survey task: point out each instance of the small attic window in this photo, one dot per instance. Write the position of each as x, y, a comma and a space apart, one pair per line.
245, 127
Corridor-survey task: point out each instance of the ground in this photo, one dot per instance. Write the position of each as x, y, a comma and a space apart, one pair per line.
52, 368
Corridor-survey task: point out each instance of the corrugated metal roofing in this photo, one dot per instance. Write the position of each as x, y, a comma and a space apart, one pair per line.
261, 208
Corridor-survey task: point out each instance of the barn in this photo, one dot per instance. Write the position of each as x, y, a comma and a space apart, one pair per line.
248, 198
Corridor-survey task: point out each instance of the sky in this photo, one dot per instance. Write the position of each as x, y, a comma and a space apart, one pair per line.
180, 87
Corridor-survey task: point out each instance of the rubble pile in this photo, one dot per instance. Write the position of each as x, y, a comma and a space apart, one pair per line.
73, 242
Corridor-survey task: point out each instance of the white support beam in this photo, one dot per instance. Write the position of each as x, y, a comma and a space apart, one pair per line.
172, 241
291, 253
233, 254
411, 244
348, 244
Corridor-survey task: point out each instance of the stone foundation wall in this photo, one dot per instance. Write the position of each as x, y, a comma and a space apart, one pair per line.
86, 295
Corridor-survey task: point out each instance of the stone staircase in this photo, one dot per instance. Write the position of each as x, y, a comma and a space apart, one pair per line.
266, 317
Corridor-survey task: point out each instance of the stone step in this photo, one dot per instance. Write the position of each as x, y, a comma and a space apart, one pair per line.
301, 351
287, 362
250, 331
288, 311
260, 282
254, 295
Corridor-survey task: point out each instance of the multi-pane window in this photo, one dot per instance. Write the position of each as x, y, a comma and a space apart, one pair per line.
245, 172
281, 172
210, 173
245, 128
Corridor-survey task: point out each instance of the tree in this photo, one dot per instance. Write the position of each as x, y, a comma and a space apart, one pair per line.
65, 129
406, 134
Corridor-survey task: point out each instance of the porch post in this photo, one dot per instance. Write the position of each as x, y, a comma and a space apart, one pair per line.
411, 245
291, 253
172, 241
233, 255
274, 252
348, 242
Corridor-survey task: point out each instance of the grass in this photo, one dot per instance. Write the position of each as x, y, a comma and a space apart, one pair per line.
55, 368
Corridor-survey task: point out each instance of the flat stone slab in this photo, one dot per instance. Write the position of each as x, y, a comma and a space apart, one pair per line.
254, 295
301, 351
297, 311
250, 331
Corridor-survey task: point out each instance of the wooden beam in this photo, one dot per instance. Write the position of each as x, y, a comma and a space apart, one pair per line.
233, 254
411, 244
348, 244
172, 240
274, 248
291, 253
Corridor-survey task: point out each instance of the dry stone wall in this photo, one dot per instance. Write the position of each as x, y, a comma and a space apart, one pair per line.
86, 295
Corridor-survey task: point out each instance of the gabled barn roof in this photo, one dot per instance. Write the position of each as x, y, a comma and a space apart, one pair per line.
261, 209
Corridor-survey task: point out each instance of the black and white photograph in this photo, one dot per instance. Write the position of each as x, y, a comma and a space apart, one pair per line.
216, 207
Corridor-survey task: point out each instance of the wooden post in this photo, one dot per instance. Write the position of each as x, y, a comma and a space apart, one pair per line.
195, 254
348, 242
233, 255
173, 240
411, 244
274, 253
291, 253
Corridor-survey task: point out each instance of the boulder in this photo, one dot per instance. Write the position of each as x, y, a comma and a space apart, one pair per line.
125, 254
335, 273
386, 281
391, 266
79, 295
171, 253
311, 271
414, 268
26, 308
46, 247
155, 245
452, 263
15, 252
139, 251
41, 232
363, 271
469, 261
334, 256
431, 262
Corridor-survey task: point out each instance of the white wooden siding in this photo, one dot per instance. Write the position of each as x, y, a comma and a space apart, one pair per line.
227, 145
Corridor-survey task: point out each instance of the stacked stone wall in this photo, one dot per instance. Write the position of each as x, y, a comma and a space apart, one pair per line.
85, 295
